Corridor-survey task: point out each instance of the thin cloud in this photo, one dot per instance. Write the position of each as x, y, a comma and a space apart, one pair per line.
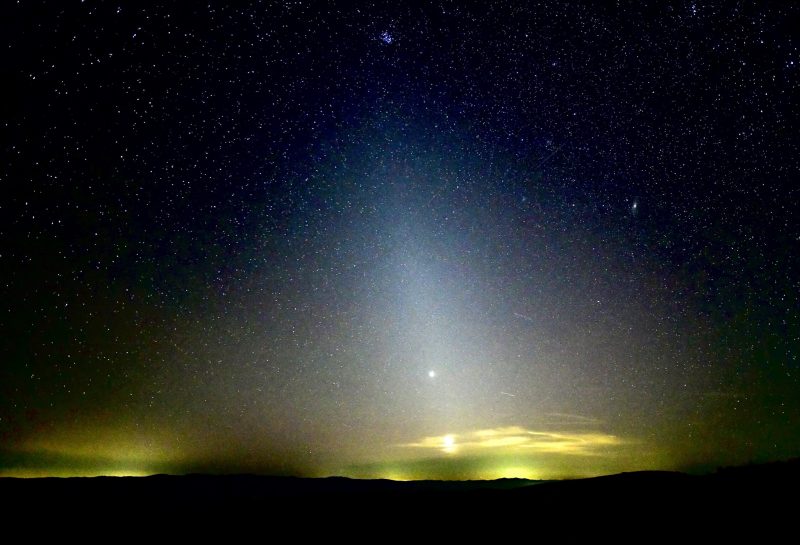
566, 418
519, 439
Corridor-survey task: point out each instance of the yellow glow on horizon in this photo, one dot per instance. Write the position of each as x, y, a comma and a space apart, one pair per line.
28, 473
94, 452
396, 477
511, 472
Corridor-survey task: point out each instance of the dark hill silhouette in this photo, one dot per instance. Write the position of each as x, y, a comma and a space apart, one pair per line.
728, 498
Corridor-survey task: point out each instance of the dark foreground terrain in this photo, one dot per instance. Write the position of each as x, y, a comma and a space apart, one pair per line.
760, 497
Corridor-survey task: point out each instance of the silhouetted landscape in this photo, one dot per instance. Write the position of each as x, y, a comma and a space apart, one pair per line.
758, 492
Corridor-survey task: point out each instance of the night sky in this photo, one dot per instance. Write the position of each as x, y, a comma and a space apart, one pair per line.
404, 240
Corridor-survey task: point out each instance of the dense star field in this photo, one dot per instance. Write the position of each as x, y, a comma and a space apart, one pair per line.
404, 240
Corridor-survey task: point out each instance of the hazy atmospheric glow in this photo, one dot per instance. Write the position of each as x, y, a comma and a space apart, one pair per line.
419, 240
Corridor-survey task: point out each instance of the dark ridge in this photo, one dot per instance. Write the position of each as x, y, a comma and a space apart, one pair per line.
742, 494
